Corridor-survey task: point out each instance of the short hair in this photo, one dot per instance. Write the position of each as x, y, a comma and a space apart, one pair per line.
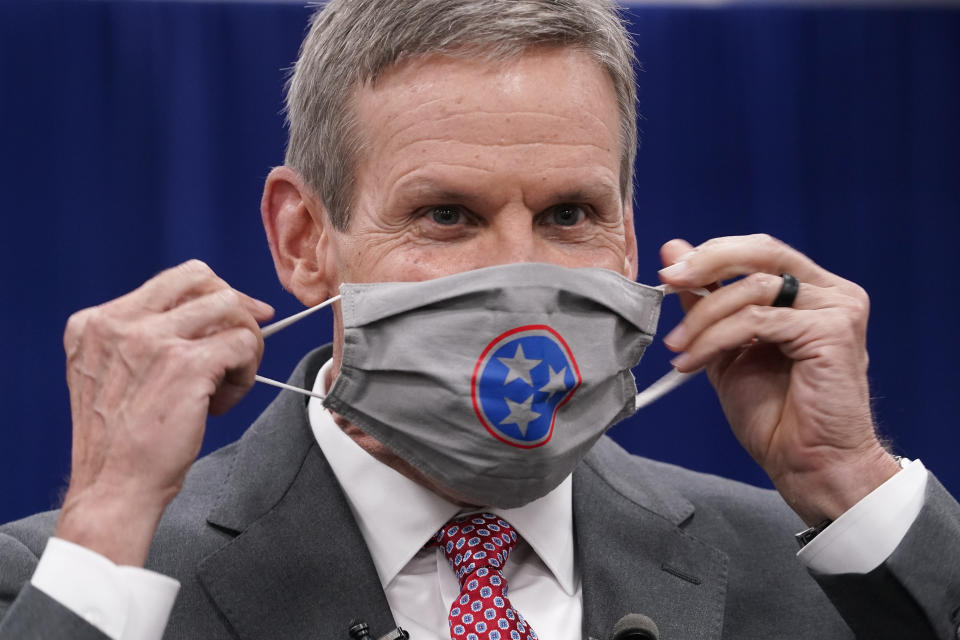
352, 42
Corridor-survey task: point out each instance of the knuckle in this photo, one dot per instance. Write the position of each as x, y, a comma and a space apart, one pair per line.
195, 270
756, 314
235, 347
195, 266
74, 331
176, 350
861, 308
94, 323
759, 284
250, 342
856, 321
76, 324
856, 302
228, 296
763, 238
182, 356
862, 298
773, 245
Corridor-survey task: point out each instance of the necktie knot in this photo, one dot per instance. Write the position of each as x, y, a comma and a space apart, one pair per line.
476, 542
477, 547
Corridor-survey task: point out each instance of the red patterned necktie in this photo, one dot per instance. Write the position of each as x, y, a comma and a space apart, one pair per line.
477, 547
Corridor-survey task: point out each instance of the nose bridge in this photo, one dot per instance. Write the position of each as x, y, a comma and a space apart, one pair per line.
513, 237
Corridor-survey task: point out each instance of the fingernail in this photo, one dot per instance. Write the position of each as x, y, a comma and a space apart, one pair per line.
677, 338
686, 256
674, 270
681, 361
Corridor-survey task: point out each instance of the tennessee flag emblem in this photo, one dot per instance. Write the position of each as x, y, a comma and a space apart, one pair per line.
520, 382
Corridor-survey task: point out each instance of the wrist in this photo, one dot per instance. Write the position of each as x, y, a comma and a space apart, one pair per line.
828, 491
117, 527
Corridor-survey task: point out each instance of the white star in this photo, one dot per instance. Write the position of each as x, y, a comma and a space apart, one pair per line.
519, 366
556, 382
521, 414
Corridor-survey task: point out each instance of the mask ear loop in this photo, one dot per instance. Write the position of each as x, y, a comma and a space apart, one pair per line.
271, 329
674, 378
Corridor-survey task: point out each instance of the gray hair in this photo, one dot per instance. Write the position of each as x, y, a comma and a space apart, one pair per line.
352, 42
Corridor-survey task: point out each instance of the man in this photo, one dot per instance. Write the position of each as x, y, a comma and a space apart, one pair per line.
430, 138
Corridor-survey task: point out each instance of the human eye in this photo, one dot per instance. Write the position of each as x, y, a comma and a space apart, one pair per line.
565, 215
446, 215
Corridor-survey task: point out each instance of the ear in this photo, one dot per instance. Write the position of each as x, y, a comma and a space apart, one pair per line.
298, 231
630, 241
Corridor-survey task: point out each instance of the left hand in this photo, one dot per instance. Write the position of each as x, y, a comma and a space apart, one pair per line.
792, 381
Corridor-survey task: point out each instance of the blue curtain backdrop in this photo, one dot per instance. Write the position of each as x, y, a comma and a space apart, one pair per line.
136, 135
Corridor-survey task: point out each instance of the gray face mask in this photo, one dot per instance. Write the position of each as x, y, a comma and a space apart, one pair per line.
494, 383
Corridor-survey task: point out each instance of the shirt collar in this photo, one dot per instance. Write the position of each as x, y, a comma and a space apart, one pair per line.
397, 516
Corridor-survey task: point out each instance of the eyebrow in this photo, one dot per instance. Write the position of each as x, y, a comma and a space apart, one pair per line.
440, 195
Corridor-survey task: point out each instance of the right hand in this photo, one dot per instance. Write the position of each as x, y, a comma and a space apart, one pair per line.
144, 371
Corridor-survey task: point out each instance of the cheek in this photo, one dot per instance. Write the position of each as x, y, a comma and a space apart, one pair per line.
419, 262
604, 248
371, 256
604, 257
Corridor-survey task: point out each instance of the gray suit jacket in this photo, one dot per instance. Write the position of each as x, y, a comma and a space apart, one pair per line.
264, 544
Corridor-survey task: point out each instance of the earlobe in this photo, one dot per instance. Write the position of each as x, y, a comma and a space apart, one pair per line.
297, 231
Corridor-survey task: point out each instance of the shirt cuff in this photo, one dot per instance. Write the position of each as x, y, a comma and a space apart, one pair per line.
865, 535
122, 602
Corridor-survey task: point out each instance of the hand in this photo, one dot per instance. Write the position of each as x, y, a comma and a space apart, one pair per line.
792, 381
144, 371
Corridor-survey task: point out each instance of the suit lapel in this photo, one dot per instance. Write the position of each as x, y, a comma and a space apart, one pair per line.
297, 566
634, 556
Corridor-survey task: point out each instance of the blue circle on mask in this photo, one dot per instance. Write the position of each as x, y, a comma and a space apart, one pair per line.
522, 379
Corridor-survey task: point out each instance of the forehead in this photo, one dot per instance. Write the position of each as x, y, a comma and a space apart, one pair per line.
547, 97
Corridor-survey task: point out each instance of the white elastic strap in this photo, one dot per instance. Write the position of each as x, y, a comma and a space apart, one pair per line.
288, 387
674, 378
662, 387
271, 329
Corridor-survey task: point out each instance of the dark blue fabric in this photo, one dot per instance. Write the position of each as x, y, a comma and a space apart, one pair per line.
136, 135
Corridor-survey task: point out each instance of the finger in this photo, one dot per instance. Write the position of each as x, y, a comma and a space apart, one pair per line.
672, 252
756, 289
726, 258
208, 314
186, 281
777, 325
235, 356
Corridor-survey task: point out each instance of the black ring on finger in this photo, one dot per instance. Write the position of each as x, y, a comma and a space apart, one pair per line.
788, 291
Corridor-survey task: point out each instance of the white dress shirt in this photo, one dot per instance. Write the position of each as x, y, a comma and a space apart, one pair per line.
125, 603
397, 516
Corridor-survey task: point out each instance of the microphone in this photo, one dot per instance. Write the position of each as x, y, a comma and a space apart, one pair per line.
635, 626
361, 631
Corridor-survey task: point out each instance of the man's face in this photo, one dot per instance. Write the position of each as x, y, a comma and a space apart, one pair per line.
469, 164
465, 165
